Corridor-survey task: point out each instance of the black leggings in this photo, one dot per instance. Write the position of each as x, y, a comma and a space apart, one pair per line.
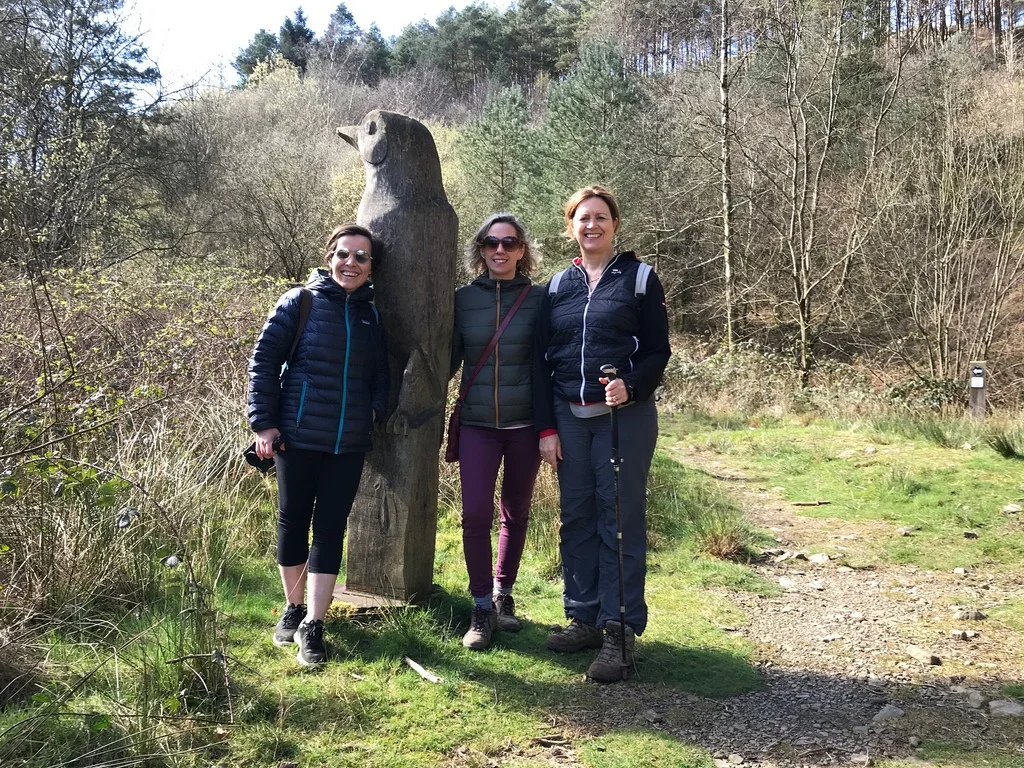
317, 487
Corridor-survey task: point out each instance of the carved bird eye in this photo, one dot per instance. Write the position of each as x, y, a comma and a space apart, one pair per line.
371, 127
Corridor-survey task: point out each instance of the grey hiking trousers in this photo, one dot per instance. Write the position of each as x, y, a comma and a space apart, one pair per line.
586, 483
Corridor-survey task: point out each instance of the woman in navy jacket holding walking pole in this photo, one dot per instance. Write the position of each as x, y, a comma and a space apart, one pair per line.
607, 308
315, 420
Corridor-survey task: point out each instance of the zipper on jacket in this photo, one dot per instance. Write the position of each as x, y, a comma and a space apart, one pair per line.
583, 341
344, 376
302, 403
636, 348
497, 324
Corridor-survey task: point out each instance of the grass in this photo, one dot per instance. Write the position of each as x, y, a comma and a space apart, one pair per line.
956, 755
897, 476
1014, 690
382, 713
623, 748
130, 684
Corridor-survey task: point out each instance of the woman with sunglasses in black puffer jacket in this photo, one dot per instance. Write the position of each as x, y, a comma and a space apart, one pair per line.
497, 416
315, 420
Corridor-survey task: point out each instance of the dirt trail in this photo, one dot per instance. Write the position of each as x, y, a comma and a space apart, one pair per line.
840, 685
835, 651
836, 648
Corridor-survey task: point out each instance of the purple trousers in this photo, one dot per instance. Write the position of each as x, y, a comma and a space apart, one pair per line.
481, 451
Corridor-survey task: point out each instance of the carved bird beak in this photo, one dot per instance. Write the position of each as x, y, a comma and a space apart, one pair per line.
350, 133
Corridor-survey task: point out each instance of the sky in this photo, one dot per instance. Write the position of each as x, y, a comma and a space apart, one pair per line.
192, 39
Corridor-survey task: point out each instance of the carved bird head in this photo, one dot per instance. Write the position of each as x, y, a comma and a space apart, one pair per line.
395, 146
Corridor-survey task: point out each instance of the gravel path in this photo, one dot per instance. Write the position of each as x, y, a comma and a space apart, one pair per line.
847, 655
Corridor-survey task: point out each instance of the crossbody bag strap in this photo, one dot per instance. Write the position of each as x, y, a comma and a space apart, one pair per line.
494, 341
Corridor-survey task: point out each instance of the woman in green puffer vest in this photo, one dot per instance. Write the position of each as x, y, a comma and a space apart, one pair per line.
497, 416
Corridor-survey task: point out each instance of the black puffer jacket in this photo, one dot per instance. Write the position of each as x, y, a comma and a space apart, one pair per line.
337, 378
578, 331
502, 393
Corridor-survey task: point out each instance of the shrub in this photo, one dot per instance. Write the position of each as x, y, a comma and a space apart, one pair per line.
927, 392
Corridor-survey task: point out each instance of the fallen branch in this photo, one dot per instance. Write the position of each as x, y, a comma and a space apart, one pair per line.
810, 503
550, 741
424, 673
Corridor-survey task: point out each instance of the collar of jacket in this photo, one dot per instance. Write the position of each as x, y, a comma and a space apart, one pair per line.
622, 256
320, 280
490, 284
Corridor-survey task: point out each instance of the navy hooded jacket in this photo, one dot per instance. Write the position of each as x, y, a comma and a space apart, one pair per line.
336, 381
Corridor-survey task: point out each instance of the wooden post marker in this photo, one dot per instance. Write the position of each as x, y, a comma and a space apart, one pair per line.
977, 385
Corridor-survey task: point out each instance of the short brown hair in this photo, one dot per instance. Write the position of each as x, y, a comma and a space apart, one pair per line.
475, 263
376, 246
594, 190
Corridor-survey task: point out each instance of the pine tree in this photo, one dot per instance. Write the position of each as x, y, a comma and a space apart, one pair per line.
296, 40
262, 47
590, 130
496, 153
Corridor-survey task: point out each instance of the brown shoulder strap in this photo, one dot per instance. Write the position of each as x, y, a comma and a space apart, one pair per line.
494, 340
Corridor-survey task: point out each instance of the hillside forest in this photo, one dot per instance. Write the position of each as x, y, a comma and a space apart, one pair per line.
831, 192
831, 181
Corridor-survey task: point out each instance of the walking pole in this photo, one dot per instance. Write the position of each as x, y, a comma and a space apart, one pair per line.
610, 372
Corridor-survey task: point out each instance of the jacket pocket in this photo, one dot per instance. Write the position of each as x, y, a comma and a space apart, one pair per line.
302, 403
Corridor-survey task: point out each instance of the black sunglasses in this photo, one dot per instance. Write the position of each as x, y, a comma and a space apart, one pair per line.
510, 243
343, 253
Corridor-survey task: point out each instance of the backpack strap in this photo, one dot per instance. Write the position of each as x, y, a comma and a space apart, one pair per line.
555, 280
305, 302
642, 273
376, 313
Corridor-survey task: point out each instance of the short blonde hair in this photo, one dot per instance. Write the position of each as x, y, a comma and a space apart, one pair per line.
475, 263
594, 190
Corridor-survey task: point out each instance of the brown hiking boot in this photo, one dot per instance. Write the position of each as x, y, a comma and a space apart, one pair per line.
575, 637
506, 608
607, 667
481, 628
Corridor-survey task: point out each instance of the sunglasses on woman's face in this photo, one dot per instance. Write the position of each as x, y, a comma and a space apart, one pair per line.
343, 253
491, 243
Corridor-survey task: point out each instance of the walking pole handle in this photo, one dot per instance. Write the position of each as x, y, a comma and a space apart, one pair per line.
611, 373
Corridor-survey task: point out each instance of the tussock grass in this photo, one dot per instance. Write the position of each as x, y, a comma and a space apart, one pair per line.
1007, 441
945, 432
684, 502
901, 480
119, 505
